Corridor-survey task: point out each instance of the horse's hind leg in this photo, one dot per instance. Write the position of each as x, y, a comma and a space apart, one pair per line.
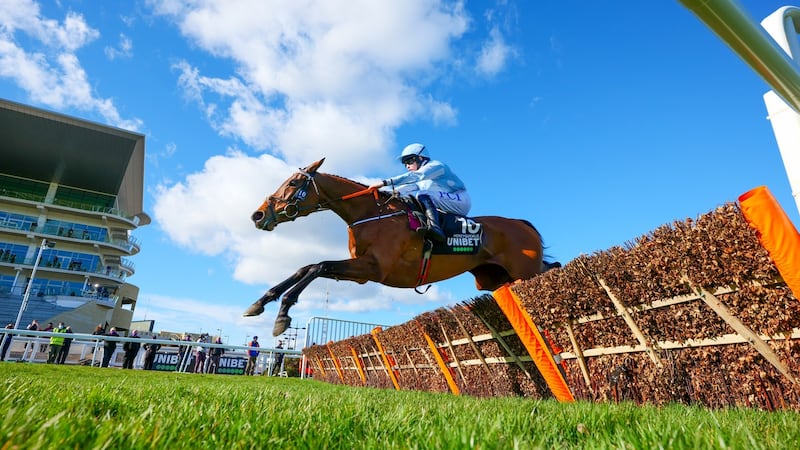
276, 291
282, 321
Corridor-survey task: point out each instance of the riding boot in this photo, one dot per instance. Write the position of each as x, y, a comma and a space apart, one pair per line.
433, 230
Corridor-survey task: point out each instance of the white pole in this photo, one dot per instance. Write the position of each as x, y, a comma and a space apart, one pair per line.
27, 294
782, 25
786, 126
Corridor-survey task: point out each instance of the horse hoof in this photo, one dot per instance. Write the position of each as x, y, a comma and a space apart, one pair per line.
254, 309
281, 324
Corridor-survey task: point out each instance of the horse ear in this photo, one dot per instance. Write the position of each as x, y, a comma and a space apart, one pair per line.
312, 168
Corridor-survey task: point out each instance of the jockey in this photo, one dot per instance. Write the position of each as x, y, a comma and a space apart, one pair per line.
433, 184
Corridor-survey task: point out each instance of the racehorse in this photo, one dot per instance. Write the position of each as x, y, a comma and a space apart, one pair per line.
383, 247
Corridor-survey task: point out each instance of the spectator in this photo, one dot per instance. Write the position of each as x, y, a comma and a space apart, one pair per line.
109, 347
200, 355
99, 330
131, 350
216, 354
64, 352
33, 326
56, 342
150, 350
252, 356
6, 342
276, 369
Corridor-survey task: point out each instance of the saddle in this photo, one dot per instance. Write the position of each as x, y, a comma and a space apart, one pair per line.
464, 235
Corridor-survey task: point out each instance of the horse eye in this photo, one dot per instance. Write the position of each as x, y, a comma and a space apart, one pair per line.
293, 183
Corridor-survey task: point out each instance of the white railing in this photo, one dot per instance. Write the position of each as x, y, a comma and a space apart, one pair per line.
33, 346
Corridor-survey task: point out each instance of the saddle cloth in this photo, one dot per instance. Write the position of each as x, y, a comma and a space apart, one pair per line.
464, 235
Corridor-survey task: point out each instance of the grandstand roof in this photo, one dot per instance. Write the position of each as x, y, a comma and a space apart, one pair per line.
44, 145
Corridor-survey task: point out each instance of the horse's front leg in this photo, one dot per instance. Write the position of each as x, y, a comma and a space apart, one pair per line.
276, 291
359, 269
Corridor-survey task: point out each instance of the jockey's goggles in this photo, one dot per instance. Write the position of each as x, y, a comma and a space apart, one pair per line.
409, 159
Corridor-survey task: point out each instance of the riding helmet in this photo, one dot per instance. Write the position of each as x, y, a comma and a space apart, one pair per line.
414, 150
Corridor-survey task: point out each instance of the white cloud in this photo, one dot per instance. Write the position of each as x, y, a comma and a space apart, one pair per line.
124, 50
494, 54
49, 69
442, 113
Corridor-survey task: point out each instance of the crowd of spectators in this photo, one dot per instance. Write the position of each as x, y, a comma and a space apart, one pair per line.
194, 355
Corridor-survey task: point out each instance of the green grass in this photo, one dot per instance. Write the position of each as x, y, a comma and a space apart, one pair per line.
49, 406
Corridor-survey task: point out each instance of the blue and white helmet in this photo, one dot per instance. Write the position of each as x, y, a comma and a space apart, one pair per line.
413, 151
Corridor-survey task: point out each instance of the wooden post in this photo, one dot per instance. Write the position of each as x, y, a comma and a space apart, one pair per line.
623, 311
579, 356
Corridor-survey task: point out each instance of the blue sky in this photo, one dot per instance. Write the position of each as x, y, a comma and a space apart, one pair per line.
596, 121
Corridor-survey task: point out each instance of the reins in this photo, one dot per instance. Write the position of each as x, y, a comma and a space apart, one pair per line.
376, 195
360, 193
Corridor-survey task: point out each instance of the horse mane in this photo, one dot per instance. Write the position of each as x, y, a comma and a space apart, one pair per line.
339, 177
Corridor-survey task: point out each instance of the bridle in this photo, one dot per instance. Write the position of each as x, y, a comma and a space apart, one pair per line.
292, 209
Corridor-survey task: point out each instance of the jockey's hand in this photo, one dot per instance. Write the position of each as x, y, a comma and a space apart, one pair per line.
377, 186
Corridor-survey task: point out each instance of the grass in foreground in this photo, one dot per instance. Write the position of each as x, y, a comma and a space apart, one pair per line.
47, 406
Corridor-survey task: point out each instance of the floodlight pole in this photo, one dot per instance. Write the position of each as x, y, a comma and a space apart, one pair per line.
27, 293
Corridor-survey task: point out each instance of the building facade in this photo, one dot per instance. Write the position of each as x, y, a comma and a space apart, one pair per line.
71, 194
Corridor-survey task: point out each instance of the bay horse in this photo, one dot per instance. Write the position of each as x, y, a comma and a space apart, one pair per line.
383, 247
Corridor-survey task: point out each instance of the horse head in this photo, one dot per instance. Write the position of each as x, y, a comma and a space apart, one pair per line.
298, 196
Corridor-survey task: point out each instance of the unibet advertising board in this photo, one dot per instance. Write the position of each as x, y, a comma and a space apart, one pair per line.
228, 365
